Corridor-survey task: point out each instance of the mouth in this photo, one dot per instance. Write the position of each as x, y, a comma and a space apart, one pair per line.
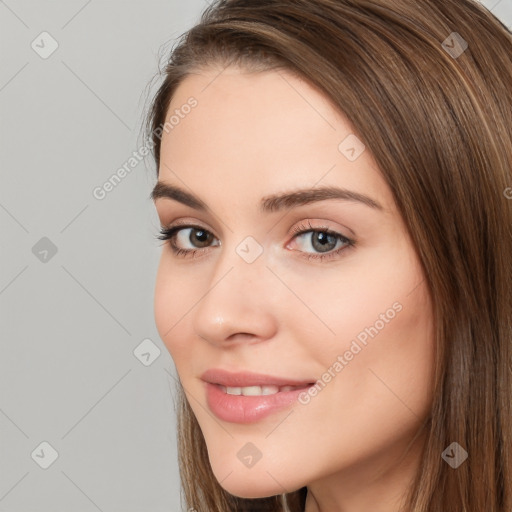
249, 397
259, 390
252, 384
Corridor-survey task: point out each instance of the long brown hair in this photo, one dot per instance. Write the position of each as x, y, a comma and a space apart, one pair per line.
437, 117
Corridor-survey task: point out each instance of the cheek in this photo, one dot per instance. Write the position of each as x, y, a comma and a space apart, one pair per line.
390, 377
383, 331
172, 299
365, 298
379, 398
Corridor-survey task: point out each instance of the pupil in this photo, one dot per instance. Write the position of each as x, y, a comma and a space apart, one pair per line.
323, 239
200, 233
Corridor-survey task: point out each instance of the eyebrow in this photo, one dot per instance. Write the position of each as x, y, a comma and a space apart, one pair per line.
271, 203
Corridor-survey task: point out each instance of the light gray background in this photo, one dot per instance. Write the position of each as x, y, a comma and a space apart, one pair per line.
71, 321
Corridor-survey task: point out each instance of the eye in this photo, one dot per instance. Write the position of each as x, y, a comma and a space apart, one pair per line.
321, 239
196, 235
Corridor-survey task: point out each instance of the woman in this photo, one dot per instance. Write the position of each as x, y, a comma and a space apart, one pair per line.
335, 287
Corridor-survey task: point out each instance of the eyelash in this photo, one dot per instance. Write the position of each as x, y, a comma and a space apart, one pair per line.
169, 234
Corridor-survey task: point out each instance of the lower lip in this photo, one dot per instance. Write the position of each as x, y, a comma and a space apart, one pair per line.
248, 409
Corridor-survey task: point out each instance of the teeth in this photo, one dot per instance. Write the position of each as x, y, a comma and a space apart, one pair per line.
257, 390
269, 390
252, 391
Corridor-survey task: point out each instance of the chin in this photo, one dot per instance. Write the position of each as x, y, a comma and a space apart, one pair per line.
241, 488
246, 484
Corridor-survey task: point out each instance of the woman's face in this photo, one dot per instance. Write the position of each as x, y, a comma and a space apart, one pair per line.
256, 297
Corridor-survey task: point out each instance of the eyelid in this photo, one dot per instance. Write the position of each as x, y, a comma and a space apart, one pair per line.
185, 223
306, 225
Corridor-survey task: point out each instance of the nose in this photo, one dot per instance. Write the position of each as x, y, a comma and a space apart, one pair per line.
238, 303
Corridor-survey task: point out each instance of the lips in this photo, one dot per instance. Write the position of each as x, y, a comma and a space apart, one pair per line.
249, 379
247, 397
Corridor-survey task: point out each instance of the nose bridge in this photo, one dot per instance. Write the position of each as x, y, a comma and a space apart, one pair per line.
235, 300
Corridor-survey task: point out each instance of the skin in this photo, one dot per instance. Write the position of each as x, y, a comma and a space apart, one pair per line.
255, 134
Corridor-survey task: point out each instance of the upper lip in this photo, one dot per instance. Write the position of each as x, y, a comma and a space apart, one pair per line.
244, 379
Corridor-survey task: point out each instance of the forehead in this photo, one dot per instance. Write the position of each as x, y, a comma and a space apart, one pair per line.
256, 133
